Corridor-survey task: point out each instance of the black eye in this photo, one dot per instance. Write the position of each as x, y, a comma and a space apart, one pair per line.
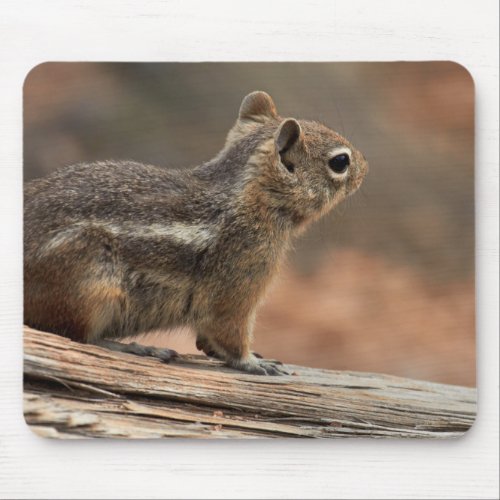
339, 163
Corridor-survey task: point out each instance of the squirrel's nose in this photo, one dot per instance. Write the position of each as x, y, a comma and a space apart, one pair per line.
364, 164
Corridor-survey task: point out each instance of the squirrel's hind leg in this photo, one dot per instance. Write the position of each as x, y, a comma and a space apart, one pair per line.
166, 355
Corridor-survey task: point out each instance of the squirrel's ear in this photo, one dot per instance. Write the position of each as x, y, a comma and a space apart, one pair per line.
288, 134
257, 106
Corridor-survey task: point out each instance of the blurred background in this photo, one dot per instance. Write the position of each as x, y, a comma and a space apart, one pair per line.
385, 283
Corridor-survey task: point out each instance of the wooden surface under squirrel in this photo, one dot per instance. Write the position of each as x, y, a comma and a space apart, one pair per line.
116, 248
75, 390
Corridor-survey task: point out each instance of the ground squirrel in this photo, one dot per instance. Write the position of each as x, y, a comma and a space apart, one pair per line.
118, 248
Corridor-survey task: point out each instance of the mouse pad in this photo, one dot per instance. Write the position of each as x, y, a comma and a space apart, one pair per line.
249, 250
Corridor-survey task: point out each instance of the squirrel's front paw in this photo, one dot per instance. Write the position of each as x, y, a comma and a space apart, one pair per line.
259, 366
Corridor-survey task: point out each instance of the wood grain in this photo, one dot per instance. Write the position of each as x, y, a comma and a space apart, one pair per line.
76, 390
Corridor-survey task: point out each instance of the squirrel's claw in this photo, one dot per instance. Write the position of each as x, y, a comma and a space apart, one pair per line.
273, 361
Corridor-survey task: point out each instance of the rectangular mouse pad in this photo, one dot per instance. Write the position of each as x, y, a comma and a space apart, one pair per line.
249, 250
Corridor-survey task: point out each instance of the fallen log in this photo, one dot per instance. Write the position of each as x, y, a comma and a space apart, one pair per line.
73, 390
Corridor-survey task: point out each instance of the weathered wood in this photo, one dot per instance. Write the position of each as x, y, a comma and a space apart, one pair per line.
74, 391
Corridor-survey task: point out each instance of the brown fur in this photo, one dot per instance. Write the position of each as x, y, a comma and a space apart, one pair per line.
113, 249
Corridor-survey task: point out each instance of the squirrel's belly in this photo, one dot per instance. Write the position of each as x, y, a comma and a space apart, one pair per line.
158, 299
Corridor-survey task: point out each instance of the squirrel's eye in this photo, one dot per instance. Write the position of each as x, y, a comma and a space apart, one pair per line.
339, 163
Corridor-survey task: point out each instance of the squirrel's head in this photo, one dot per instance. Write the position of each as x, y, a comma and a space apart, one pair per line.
301, 168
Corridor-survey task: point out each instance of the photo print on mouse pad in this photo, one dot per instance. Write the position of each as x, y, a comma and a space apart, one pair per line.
249, 250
